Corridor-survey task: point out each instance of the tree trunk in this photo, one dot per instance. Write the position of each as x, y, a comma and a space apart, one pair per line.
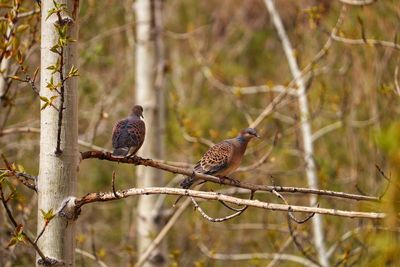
305, 130
149, 94
4, 66
57, 171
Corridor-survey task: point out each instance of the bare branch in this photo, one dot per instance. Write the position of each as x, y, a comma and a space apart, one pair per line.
74, 208
173, 169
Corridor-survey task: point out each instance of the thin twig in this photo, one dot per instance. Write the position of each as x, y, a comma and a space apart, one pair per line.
41, 232
291, 215
211, 219
113, 185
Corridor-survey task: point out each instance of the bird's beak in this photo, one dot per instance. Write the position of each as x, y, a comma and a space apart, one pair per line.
142, 116
256, 135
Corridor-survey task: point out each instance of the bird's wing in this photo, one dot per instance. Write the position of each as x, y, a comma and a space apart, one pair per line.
216, 159
137, 132
119, 133
128, 133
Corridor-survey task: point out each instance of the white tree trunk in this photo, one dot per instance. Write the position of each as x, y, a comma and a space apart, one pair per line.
149, 94
305, 130
57, 173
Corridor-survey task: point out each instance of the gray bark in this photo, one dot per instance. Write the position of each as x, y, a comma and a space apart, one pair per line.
57, 173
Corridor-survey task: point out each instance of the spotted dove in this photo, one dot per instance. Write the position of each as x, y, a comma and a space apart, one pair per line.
223, 158
128, 134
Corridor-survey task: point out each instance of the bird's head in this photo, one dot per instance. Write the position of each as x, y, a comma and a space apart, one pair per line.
248, 134
138, 111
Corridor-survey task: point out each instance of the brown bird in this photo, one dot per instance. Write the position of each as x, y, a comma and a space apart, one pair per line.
128, 134
223, 158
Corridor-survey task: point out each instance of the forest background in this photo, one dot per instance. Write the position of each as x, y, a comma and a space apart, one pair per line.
223, 68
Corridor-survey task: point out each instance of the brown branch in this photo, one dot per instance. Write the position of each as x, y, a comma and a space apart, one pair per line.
22, 178
58, 151
73, 205
41, 232
113, 185
173, 169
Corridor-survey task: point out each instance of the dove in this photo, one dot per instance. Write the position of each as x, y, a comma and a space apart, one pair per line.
128, 134
223, 158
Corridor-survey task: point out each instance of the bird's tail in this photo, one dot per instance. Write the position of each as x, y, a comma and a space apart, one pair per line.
187, 182
121, 152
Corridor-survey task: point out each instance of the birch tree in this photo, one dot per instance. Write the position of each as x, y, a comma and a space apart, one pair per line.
149, 94
305, 127
59, 126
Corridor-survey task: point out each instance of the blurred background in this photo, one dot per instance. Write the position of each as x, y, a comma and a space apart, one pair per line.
224, 64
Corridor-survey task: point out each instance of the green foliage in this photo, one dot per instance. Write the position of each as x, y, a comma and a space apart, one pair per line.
47, 215
58, 8
18, 237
